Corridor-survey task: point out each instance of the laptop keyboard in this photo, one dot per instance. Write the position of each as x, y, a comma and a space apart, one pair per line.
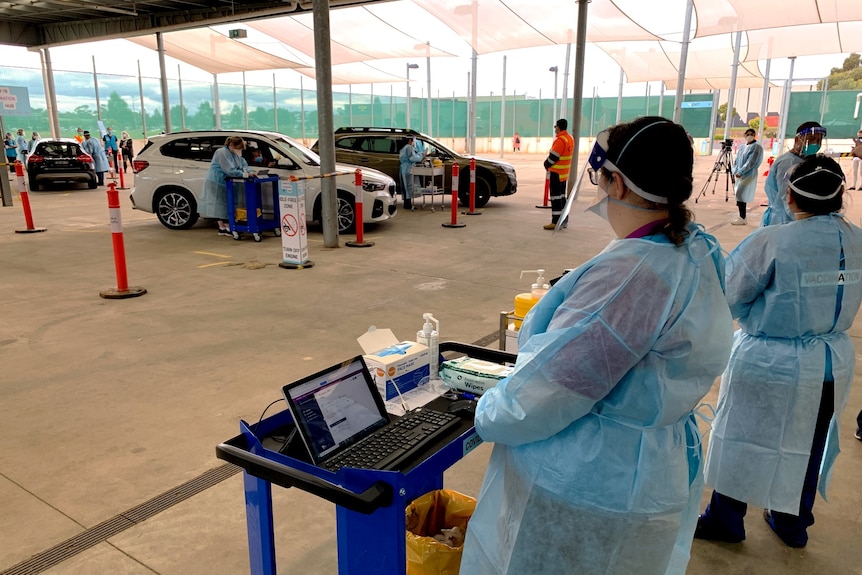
397, 442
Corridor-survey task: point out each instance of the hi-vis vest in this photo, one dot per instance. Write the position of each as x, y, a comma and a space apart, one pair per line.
564, 145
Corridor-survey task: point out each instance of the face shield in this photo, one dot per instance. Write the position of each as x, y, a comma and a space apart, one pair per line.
811, 139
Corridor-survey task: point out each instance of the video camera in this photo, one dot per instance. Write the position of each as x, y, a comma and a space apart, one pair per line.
727, 144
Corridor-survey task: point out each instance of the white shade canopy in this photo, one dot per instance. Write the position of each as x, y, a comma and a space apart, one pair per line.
723, 16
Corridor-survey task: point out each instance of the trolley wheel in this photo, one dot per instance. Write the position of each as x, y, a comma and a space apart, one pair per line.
276, 232
237, 236
257, 237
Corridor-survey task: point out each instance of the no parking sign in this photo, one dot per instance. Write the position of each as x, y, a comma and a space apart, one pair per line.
294, 241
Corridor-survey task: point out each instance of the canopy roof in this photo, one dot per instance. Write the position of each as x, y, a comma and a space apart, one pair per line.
644, 38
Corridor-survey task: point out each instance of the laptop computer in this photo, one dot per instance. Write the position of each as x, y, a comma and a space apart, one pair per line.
263, 173
341, 419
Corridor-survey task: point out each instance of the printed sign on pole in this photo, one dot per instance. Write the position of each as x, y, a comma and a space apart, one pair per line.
14, 101
294, 240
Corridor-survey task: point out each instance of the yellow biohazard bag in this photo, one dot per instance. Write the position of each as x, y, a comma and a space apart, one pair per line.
429, 515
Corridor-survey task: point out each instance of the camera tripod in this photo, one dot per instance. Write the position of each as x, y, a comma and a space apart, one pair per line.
724, 164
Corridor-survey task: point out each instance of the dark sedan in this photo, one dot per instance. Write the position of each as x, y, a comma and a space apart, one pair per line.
61, 160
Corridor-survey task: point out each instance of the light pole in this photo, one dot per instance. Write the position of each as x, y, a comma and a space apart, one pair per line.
409, 67
554, 69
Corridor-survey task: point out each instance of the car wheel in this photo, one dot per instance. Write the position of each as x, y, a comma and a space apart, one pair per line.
34, 187
92, 184
346, 213
483, 190
176, 208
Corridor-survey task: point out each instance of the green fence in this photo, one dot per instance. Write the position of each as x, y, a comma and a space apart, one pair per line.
121, 108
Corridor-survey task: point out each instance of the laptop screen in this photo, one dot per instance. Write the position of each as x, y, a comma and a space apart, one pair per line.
335, 408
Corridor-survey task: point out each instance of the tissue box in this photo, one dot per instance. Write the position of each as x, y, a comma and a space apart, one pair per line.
393, 362
473, 375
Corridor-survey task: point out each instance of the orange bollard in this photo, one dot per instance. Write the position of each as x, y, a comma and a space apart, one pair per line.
546, 198
472, 211
454, 223
359, 243
121, 171
123, 290
25, 201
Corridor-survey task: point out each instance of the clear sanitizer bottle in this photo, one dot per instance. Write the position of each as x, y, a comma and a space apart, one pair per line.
429, 336
524, 302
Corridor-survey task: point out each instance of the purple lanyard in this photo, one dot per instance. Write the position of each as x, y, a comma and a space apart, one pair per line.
647, 229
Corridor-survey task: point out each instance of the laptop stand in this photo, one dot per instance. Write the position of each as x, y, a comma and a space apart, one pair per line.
370, 504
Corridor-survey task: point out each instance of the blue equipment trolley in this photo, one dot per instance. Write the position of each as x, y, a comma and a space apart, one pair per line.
370, 504
252, 206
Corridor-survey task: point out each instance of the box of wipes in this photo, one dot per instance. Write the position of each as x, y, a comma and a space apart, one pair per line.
473, 375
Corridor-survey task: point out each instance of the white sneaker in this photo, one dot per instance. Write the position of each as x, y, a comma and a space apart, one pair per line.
737, 221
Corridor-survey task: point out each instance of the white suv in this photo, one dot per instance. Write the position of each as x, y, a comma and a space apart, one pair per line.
170, 172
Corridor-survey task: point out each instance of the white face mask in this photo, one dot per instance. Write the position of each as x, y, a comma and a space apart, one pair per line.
600, 205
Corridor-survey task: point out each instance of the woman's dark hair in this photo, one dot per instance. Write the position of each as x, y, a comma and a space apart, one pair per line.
656, 156
819, 176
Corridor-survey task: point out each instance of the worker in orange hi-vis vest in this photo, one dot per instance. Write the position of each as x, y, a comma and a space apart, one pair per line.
557, 163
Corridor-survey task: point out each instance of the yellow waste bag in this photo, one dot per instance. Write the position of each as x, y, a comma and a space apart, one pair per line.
426, 517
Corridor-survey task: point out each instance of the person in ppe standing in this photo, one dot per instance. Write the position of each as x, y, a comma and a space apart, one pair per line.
597, 462
227, 162
11, 151
21, 142
748, 160
100, 160
557, 163
796, 289
809, 137
408, 156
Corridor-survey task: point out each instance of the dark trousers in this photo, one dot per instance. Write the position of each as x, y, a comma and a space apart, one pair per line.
728, 513
741, 207
557, 195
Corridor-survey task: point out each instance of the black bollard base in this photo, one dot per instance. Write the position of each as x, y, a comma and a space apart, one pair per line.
114, 293
451, 225
31, 231
353, 244
287, 266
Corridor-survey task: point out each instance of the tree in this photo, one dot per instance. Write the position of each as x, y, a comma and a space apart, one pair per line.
722, 113
754, 124
847, 77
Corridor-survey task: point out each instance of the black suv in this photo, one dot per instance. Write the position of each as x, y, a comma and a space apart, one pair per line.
60, 160
378, 148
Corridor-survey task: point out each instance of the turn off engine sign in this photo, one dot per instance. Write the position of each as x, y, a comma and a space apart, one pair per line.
15, 101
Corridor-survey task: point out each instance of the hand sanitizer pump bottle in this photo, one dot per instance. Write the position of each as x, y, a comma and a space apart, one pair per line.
429, 336
524, 302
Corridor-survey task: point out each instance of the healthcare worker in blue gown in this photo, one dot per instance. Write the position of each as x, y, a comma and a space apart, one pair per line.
597, 463
227, 162
408, 157
809, 137
796, 289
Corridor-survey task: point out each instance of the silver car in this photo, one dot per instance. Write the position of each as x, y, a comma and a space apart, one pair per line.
170, 172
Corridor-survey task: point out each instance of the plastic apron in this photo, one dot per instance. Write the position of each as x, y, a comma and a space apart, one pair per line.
794, 299
596, 467
745, 166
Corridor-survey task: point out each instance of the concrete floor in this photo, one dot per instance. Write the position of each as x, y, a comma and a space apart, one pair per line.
106, 404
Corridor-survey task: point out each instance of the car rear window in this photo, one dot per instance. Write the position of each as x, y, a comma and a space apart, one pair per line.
58, 149
197, 148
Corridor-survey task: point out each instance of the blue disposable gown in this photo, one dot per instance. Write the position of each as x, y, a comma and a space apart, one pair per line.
213, 200
408, 156
597, 467
794, 300
777, 181
745, 168
22, 148
95, 149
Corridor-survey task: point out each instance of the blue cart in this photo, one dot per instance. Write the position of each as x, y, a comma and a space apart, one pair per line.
370, 504
252, 206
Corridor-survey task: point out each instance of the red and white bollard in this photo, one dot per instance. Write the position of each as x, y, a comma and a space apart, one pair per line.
546, 198
472, 211
359, 243
25, 201
111, 167
454, 223
123, 290
121, 171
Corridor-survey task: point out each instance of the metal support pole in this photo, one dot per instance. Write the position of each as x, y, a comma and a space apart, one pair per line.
503, 111
141, 96
620, 96
244, 102
166, 100
564, 103
683, 58
578, 93
182, 104
96, 86
216, 103
326, 137
764, 102
302, 107
731, 94
274, 105
661, 98
430, 124
50, 93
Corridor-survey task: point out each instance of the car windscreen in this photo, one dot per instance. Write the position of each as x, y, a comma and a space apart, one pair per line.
58, 149
298, 152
